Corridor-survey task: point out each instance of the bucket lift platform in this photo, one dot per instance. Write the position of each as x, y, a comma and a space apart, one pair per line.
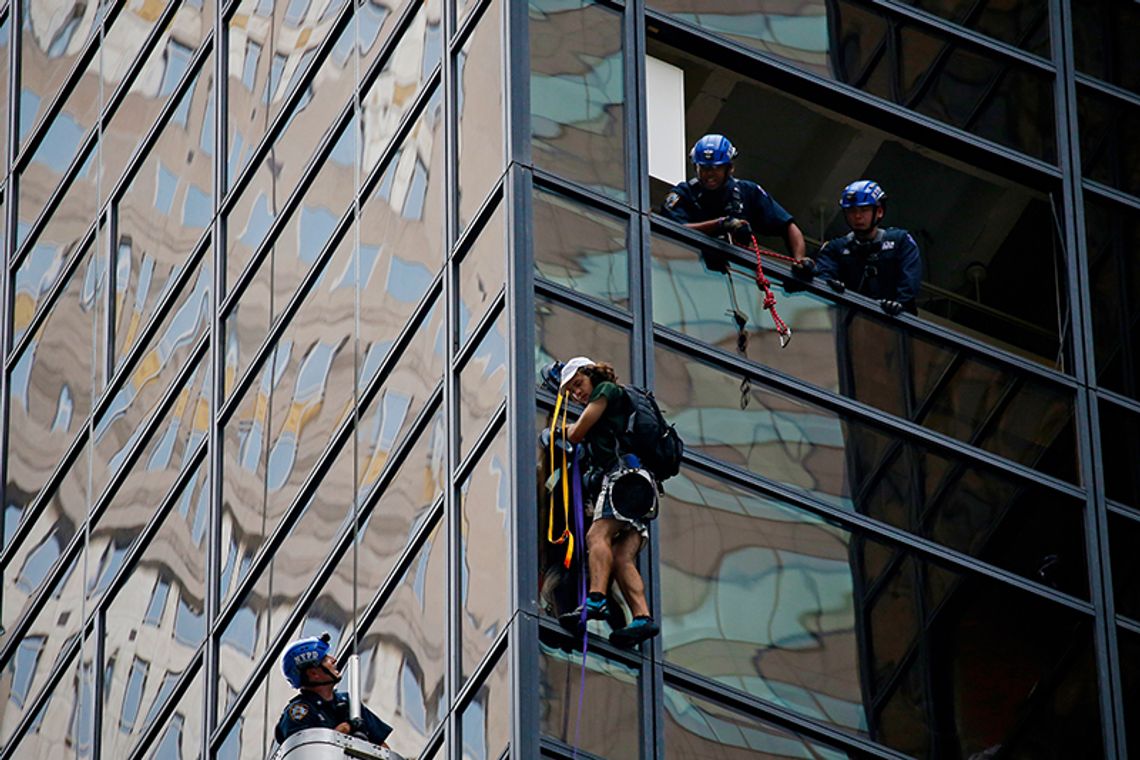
326, 744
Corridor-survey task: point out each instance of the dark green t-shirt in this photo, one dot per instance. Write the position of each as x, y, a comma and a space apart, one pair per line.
602, 437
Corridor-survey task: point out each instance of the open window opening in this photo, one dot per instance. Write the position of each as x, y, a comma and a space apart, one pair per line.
993, 258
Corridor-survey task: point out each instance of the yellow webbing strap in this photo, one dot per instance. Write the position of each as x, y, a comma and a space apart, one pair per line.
567, 537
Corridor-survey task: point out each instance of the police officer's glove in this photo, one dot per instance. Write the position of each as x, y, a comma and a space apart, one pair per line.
836, 285
892, 308
740, 229
804, 269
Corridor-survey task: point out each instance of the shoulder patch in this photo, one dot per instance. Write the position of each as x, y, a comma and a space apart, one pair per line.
298, 711
672, 199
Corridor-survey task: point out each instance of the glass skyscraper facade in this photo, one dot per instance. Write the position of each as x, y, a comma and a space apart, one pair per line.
279, 279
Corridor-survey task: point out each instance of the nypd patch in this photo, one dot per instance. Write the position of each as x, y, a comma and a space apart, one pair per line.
299, 711
671, 200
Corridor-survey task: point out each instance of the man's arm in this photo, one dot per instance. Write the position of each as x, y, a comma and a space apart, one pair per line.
826, 267
794, 239
376, 729
910, 271
590, 415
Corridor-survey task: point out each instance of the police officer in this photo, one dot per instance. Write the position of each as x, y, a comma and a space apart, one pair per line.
716, 203
879, 262
308, 666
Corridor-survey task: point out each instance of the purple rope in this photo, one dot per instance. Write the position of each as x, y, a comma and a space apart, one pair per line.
579, 520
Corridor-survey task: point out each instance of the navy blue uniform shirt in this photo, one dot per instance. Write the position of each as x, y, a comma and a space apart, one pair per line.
307, 710
688, 202
886, 267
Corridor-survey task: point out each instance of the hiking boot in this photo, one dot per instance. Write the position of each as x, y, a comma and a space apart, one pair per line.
639, 630
596, 609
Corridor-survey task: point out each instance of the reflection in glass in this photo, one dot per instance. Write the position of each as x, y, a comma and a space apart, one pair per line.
766, 598
880, 53
66, 719
118, 428
1113, 239
484, 561
401, 237
577, 92
479, 94
696, 728
486, 721
1120, 451
1027, 529
160, 217
50, 390
263, 610
1110, 152
581, 248
562, 333
403, 652
873, 360
139, 682
609, 724
179, 737
1104, 41
268, 62
1023, 23
482, 385
482, 273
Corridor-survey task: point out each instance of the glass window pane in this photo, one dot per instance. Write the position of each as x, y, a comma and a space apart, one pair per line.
1110, 152
118, 428
50, 390
403, 652
1123, 533
874, 360
482, 273
768, 599
258, 88
1113, 239
1104, 41
577, 92
1128, 644
5, 40
56, 244
696, 728
609, 717
485, 520
66, 718
562, 333
479, 94
148, 95
165, 209
482, 385
1120, 451
964, 505
580, 247
1023, 23
180, 737
921, 69
145, 663
401, 236
486, 721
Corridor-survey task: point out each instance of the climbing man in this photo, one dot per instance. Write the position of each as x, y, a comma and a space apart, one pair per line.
308, 666
717, 203
882, 263
621, 496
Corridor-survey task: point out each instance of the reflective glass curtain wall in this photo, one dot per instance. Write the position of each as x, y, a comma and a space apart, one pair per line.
244, 314
278, 276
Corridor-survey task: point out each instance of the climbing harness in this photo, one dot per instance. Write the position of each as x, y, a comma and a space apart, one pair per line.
567, 536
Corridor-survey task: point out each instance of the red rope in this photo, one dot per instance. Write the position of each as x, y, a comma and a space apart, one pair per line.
782, 328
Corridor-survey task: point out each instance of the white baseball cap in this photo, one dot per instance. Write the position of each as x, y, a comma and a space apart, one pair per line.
571, 367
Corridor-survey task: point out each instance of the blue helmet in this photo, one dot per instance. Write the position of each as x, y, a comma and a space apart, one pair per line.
712, 150
865, 192
301, 655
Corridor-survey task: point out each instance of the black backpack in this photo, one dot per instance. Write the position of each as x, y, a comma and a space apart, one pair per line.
650, 437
